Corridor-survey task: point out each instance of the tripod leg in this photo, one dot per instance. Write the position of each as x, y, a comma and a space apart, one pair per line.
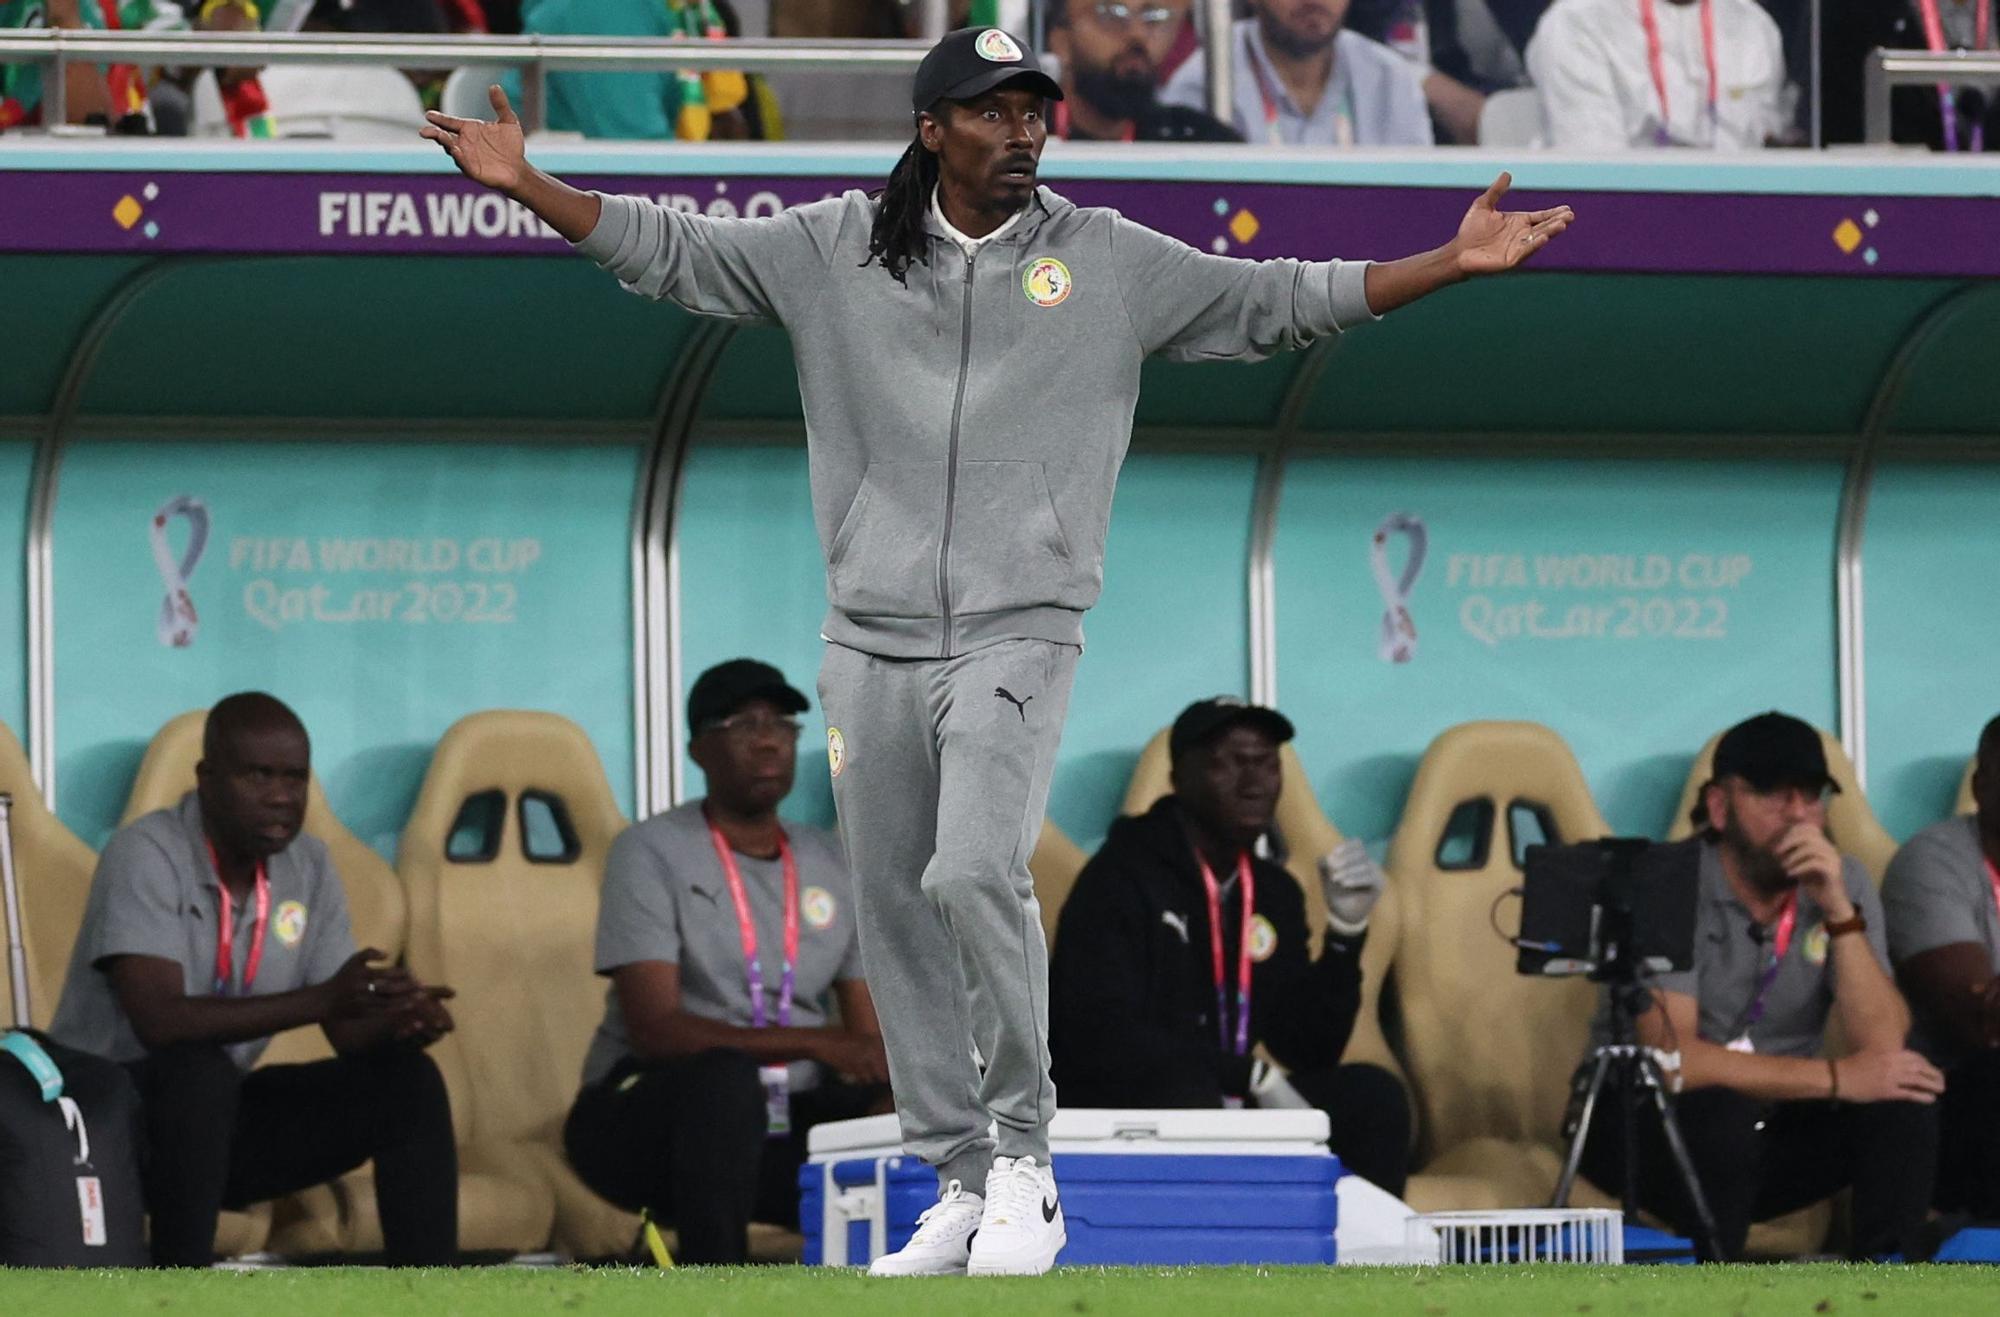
1573, 1159
1705, 1240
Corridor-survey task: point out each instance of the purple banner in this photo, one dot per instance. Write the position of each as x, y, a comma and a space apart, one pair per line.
1714, 233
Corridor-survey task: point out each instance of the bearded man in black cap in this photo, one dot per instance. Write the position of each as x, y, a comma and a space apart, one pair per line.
969, 348
1182, 952
1787, 930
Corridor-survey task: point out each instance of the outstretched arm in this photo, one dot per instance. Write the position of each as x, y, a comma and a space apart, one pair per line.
1489, 241
496, 154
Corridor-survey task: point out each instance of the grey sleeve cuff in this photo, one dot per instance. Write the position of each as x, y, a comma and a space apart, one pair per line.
1347, 288
614, 222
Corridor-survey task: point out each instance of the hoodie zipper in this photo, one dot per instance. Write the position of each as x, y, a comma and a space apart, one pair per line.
951, 460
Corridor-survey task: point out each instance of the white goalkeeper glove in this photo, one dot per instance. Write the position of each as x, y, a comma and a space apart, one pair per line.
1352, 882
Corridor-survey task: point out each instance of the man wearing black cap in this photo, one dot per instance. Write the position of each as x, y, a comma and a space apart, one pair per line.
969, 350
727, 936
1787, 930
1181, 949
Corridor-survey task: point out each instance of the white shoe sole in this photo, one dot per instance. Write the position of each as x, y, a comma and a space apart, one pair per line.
1038, 1266
907, 1273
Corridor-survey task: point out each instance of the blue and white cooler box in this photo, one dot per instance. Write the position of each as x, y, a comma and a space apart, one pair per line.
1160, 1188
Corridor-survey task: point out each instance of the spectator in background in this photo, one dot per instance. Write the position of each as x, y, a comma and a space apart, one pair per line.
1646, 73
1942, 898
1148, 1004
1110, 52
645, 106
1853, 29
214, 925
727, 936
1426, 32
1786, 930
85, 95
1302, 79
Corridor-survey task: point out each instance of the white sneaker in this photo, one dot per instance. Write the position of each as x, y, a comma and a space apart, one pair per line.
943, 1240
1021, 1229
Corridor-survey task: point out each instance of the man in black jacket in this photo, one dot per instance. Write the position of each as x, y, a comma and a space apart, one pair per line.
1180, 950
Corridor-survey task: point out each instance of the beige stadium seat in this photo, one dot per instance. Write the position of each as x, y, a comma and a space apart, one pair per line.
514, 934
1966, 804
1850, 820
341, 1216
1489, 1053
54, 867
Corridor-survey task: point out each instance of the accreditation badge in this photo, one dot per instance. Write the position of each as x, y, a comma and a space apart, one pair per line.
777, 1100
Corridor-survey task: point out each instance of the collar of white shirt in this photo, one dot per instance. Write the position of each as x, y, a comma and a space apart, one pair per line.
968, 245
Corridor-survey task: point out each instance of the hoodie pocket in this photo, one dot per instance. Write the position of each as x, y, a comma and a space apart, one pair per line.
883, 560
1007, 545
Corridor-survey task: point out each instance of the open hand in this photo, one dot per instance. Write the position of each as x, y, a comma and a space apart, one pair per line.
495, 153
1491, 240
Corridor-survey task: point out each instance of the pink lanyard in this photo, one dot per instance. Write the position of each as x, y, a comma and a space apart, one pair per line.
1934, 38
753, 968
1247, 882
1656, 58
225, 938
1780, 944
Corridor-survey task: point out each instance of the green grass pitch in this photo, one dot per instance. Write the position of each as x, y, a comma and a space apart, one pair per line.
1803, 1290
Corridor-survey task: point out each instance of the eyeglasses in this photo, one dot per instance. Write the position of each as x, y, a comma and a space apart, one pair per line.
757, 726
1115, 13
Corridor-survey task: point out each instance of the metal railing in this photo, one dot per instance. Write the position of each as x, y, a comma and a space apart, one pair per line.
1916, 68
535, 56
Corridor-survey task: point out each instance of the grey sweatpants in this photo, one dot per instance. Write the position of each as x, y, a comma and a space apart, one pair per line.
941, 777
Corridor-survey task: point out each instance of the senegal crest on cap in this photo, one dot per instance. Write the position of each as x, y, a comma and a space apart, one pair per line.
1046, 281
995, 45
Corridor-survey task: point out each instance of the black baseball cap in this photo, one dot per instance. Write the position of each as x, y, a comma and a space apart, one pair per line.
1774, 750
973, 61
1204, 720
727, 687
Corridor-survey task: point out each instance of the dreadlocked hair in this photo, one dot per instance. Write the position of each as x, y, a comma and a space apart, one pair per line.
897, 237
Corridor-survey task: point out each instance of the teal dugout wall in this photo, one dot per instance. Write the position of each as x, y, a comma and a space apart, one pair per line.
1565, 437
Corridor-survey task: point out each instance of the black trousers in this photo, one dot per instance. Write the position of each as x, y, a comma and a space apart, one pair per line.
218, 1137
686, 1139
1367, 1112
1968, 1177
1757, 1160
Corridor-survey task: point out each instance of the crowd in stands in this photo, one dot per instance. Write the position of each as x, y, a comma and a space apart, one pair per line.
1570, 74
1198, 961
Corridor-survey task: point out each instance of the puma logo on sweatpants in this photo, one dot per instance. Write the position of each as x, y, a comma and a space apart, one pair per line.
1020, 706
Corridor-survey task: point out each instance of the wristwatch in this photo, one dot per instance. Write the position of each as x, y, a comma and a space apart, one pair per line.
1854, 923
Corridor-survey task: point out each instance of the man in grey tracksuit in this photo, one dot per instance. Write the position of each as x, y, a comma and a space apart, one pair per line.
968, 348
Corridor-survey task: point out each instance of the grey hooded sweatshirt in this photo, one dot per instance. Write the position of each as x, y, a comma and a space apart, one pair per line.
965, 431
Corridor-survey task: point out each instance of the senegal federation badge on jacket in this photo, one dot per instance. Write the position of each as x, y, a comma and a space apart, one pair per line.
1046, 281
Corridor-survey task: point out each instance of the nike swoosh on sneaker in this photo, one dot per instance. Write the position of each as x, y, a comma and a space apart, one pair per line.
1048, 1209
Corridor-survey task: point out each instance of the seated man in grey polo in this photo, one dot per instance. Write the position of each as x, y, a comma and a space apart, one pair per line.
1944, 933
212, 926
1299, 77
1787, 930
728, 937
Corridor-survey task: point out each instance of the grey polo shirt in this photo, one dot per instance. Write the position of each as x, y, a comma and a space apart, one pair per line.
155, 893
1729, 965
1936, 893
1375, 97
666, 898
